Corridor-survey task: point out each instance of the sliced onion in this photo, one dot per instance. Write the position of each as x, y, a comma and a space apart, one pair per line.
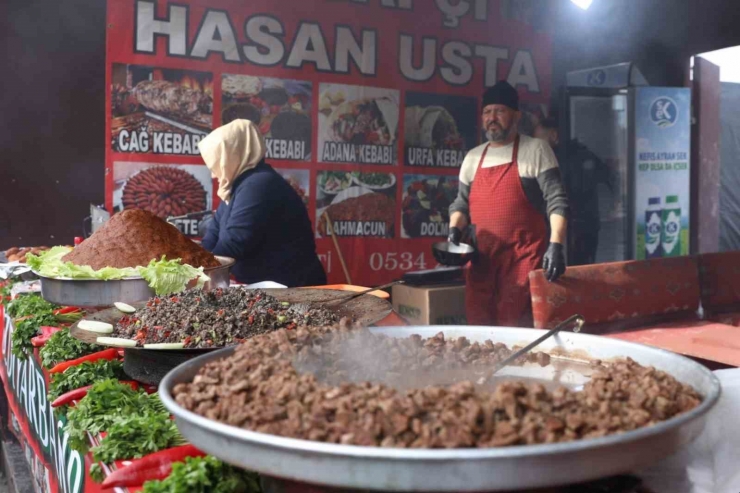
165, 345
95, 326
124, 307
116, 342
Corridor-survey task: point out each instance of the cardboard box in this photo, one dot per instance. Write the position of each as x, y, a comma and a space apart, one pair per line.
431, 305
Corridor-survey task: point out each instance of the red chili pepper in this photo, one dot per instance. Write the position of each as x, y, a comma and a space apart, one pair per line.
78, 394
46, 333
152, 467
72, 395
187, 341
108, 354
67, 309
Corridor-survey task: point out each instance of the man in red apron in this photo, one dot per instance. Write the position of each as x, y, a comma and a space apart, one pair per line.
510, 188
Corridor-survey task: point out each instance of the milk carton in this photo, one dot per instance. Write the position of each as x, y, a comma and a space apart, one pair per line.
653, 228
671, 237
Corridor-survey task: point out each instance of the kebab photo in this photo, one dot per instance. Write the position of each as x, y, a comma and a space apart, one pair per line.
358, 124
358, 204
164, 190
425, 206
147, 101
280, 107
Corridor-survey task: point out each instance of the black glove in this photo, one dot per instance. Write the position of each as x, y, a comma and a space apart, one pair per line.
554, 262
455, 235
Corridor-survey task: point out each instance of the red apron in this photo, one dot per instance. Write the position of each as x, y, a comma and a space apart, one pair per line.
512, 239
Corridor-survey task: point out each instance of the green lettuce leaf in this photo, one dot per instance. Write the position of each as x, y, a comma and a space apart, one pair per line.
171, 276
163, 276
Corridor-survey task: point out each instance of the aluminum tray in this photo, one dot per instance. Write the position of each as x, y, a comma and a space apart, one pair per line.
95, 293
496, 469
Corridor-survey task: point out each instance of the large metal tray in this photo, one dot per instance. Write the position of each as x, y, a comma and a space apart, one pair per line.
151, 365
496, 469
94, 293
366, 310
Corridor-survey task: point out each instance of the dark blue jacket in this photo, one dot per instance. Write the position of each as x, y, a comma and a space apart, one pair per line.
266, 228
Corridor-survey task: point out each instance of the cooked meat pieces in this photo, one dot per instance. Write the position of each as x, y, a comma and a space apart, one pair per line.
133, 238
259, 388
170, 98
217, 318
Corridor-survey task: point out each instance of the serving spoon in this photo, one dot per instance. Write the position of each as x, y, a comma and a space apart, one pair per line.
576, 321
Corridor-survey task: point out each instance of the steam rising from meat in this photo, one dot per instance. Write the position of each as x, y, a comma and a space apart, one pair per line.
365, 357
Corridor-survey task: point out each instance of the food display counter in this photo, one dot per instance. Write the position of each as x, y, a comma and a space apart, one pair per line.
194, 386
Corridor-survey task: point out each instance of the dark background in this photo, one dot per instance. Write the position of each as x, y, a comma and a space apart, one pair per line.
52, 101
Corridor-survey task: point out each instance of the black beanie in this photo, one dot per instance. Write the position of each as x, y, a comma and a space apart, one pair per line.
502, 93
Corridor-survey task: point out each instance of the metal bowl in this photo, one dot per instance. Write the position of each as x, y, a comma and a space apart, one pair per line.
95, 293
452, 255
494, 469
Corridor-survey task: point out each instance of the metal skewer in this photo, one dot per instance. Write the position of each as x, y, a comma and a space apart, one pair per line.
576, 321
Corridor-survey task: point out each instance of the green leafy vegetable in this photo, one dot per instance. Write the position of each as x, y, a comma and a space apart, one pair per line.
30, 312
29, 304
5, 291
84, 374
133, 437
96, 473
26, 329
171, 276
105, 403
63, 347
164, 276
205, 475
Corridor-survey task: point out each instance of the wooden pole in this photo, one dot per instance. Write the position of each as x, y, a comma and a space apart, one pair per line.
330, 227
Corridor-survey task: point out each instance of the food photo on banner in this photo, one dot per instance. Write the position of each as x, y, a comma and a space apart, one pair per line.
281, 108
299, 179
358, 204
159, 110
166, 190
358, 124
426, 203
438, 129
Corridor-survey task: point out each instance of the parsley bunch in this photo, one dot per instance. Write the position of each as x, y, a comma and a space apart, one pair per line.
133, 437
31, 311
25, 330
105, 403
29, 304
63, 347
205, 475
5, 291
84, 374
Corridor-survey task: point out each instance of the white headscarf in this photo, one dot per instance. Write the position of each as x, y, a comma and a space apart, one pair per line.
231, 150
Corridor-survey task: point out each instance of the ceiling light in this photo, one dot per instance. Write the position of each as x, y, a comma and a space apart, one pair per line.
584, 4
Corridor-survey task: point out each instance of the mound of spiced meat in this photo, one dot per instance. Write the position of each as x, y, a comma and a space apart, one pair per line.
135, 237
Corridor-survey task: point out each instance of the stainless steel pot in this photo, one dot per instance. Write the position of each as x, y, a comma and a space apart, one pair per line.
94, 293
494, 469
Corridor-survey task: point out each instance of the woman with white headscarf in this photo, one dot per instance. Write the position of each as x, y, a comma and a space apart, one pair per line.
262, 221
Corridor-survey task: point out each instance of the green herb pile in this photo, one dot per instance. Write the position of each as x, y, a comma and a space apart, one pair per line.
105, 403
84, 374
29, 312
63, 347
136, 424
205, 475
5, 289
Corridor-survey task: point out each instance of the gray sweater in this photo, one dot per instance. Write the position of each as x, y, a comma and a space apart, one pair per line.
538, 171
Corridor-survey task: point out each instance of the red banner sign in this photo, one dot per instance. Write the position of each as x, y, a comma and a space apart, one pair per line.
368, 108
